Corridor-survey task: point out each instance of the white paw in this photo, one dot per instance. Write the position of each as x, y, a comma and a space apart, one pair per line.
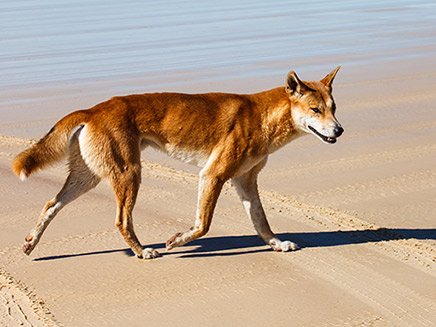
178, 239
174, 241
288, 246
285, 246
148, 253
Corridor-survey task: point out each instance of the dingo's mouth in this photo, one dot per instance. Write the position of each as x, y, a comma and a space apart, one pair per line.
326, 139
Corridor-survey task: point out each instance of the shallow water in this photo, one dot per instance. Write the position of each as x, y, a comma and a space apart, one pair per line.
94, 41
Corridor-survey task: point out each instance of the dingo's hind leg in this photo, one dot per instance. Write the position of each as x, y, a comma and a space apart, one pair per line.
246, 187
80, 180
126, 187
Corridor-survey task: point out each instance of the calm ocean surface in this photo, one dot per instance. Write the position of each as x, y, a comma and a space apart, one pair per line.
94, 41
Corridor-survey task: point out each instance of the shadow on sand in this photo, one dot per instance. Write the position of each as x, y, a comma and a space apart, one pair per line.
237, 245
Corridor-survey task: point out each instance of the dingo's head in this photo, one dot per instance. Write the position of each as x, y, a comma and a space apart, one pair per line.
313, 107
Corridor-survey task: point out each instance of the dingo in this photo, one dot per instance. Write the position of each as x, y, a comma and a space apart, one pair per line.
228, 135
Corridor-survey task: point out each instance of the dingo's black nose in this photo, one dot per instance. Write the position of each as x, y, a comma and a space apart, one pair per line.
338, 131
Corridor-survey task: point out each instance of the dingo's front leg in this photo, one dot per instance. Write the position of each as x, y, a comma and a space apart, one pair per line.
246, 186
209, 189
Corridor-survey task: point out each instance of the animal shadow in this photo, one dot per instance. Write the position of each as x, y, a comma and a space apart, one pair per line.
248, 244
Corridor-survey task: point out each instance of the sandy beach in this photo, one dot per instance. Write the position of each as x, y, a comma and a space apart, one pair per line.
362, 210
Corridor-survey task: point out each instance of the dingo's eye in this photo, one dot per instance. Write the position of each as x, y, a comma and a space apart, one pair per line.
316, 110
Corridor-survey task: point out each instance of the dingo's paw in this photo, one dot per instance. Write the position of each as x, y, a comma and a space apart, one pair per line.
285, 246
174, 241
148, 253
29, 245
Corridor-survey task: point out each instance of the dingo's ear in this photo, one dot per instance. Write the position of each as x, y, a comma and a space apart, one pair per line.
294, 86
328, 80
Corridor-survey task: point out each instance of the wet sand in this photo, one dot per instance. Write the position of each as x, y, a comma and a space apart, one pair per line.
362, 210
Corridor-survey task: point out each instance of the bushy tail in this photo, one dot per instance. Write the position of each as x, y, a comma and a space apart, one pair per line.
51, 148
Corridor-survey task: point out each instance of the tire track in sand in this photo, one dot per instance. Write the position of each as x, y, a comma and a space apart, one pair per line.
20, 307
373, 159
355, 230
403, 184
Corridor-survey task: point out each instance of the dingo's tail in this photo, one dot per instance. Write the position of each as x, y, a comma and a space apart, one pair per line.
50, 149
